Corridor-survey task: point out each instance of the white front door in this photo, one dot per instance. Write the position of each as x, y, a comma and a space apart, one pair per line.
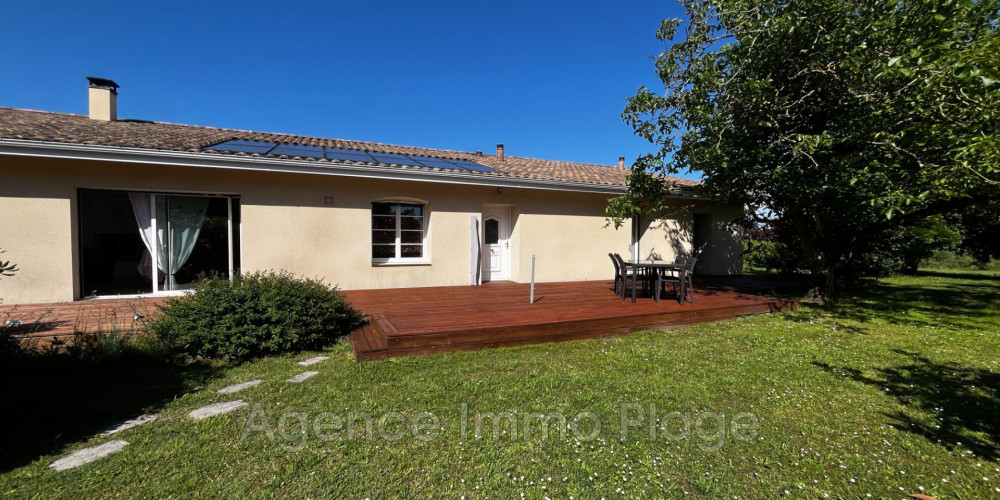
496, 244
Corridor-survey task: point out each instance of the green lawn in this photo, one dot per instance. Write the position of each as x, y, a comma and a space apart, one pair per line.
891, 390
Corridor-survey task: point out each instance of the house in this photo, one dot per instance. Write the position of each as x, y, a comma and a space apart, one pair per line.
96, 206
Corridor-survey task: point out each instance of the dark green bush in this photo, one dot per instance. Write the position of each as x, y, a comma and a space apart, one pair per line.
760, 254
947, 259
254, 315
768, 254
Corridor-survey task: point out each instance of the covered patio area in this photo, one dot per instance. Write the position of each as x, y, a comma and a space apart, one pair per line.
417, 321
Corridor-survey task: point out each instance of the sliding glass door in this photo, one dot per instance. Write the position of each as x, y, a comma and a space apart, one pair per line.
135, 242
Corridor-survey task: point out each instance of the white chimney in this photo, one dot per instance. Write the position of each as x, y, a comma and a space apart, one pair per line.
103, 95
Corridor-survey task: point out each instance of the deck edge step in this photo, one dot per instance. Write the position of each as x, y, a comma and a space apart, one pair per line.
513, 339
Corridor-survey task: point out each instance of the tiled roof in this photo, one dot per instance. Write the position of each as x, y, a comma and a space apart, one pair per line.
78, 129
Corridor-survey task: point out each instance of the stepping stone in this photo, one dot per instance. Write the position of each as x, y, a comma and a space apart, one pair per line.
239, 387
128, 424
313, 361
87, 455
216, 409
301, 377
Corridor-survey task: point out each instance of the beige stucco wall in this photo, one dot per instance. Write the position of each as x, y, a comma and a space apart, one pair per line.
320, 226
35, 234
313, 225
566, 232
667, 237
288, 226
723, 252
675, 231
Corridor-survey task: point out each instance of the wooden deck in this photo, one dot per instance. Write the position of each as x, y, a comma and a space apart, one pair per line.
43, 325
417, 321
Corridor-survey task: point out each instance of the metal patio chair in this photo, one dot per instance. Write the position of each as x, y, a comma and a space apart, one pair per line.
628, 276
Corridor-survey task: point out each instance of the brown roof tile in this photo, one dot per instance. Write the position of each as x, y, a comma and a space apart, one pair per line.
78, 129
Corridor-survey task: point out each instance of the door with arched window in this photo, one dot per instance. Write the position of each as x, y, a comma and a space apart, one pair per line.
496, 244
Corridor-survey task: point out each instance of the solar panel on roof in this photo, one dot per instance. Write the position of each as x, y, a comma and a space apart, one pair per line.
471, 165
435, 162
393, 158
264, 147
298, 150
243, 146
347, 154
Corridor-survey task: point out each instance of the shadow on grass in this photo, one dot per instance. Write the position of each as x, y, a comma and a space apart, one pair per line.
959, 275
50, 400
954, 304
946, 403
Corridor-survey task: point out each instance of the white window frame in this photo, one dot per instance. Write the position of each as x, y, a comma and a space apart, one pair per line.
398, 260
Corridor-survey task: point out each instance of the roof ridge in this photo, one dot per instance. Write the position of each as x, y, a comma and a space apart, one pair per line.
247, 131
133, 120
384, 144
55, 126
306, 136
40, 111
563, 161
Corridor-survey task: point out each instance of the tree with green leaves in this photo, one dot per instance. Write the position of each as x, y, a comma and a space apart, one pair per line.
839, 121
980, 226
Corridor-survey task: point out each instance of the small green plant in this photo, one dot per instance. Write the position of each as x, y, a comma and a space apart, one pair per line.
16, 329
7, 269
8, 341
254, 315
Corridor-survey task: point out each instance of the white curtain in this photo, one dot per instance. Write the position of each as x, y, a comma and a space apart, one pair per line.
185, 215
142, 207
176, 232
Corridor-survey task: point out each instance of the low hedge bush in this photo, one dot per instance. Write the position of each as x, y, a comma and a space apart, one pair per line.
948, 259
254, 315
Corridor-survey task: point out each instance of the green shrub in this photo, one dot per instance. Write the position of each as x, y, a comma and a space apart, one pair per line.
947, 259
254, 315
767, 254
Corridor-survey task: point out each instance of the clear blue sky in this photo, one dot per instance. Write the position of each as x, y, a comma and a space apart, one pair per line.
547, 79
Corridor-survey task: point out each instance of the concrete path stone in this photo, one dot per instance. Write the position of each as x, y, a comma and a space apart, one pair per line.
216, 409
87, 455
313, 361
239, 387
301, 377
128, 424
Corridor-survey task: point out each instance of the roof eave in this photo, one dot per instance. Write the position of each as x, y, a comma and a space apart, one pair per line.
60, 150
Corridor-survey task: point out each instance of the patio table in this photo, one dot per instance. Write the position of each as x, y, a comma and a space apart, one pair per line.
656, 266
